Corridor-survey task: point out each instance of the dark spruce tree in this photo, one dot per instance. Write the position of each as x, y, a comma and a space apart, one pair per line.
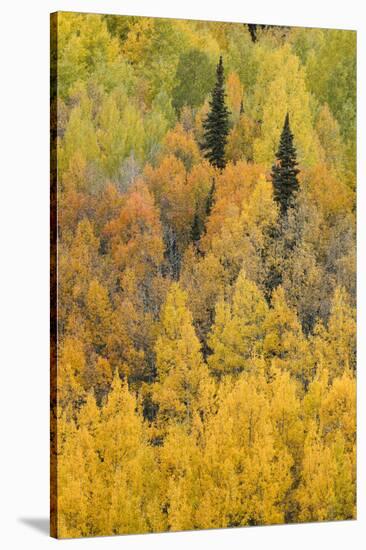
199, 222
216, 124
253, 28
210, 198
197, 228
284, 171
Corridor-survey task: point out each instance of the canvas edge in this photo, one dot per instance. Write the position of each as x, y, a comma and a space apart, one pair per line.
53, 276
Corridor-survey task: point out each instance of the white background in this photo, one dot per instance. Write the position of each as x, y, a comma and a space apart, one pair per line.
24, 305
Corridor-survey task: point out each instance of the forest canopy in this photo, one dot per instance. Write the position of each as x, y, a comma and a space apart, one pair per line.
206, 331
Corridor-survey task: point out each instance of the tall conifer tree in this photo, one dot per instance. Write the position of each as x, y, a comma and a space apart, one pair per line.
284, 171
210, 198
197, 228
216, 125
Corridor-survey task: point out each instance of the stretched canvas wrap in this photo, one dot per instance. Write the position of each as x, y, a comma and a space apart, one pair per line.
203, 328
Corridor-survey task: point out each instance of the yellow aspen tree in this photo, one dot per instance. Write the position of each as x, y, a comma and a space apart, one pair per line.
175, 196
111, 135
285, 405
131, 479
330, 139
234, 95
200, 179
98, 376
288, 427
245, 476
284, 343
235, 183
281, 88
315, 395
242, 214
77, 266
328, 475
141, 321
207, 274
138, 39
337, 410
346, 478
70, 476
328, 191
74, 202
182, 145
180, 368
335, 54
87, 52
135, 137
71, 372
342, 330
241, 138
227, 241
99, 315
106, 333
79, 477
200, 116
80, 136
259, 213
326, 491
238, 332
183, 469
335, 346
84, 251
303, 282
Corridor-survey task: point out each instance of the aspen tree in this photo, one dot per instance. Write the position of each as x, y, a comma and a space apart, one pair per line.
180, 368
238, 333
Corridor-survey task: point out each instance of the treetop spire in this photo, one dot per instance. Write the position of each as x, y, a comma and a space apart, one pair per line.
216, 124
285, 171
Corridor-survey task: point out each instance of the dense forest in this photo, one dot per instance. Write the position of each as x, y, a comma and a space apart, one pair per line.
206, 332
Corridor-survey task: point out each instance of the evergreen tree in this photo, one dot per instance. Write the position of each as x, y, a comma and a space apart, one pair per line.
210, 198
197, 228
199, 221
284, 171
253, 29
216, 125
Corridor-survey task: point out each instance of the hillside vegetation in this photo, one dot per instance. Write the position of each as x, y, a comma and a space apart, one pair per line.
206, 274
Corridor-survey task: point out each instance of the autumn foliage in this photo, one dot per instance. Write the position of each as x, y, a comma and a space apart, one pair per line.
206, 348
